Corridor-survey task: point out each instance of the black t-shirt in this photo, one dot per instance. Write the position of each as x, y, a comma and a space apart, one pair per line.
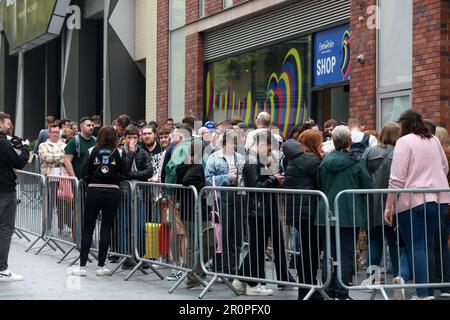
104, 165
156, 150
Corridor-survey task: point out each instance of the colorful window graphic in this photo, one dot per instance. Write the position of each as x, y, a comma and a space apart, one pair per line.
274, 79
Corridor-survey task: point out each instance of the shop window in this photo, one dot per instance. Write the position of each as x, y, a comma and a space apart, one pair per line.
274, 79
177, 74
392, 106
177, 13
227, 3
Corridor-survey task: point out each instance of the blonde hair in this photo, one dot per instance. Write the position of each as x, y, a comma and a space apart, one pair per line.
389, 135
442, 135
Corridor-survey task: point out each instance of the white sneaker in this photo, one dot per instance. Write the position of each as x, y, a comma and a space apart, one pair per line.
80, 272
240, 286
174, 276
8, 276
103, 271
259, 290
399, 294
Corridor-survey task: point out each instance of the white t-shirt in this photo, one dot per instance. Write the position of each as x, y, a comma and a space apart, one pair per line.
251, 137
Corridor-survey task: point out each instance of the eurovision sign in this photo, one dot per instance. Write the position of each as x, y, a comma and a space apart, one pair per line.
332, 56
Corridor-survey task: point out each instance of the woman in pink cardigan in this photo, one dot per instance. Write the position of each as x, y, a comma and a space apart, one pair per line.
419, 162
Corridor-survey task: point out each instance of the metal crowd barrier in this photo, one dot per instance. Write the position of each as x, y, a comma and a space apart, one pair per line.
63, 214
416, 244
34, 165
236, 225
30, 206
165, 229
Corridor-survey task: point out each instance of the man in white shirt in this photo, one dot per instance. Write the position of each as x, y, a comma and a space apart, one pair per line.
356, 127
262, 123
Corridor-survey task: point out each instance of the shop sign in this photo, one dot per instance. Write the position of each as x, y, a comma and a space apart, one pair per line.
332, 56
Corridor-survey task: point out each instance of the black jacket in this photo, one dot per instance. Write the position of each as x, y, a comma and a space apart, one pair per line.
104, 165
190, 175
10, 160
259, 204
143, 164
301, 173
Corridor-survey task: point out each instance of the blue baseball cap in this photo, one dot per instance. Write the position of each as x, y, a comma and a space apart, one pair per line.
210, 125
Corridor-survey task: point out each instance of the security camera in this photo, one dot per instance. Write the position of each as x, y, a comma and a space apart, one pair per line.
361, 59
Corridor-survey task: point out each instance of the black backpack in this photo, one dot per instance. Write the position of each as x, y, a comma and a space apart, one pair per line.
357, 149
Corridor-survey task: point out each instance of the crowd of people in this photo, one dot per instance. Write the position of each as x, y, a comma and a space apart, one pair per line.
408, 154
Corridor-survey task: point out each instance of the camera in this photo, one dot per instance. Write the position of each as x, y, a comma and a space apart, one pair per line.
361, 59
16, 142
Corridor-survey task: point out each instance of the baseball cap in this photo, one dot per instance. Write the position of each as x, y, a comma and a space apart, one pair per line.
210, 125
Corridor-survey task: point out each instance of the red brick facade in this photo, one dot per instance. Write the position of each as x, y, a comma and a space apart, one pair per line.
431, 64
431, 60
194, 76
363, 93
162, 87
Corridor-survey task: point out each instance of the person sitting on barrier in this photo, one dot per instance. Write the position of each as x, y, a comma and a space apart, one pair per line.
263, 220
417, 214
103, 170
341, 171
303, 161
191, 173
378, 161
51, 153
224, 169
14, 154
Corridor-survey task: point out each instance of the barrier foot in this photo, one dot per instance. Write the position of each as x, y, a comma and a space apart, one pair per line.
178, 283
310, 293
18, 234
74, 261
59, 247
24, 236
66, 254
41, 248
228, 283
383, 292
324, 294
32, 245
119, 266
157, 272
50, 245
214, 279
141, 269
136, 268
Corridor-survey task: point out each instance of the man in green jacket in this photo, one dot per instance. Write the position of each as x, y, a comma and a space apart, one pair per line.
340, 171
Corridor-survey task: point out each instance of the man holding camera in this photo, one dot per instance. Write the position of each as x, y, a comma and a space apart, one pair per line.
14, 154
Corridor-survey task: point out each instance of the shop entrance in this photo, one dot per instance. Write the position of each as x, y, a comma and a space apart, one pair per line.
331, 103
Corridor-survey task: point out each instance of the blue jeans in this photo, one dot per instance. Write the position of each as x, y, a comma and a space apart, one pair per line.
423, 221
405, 269
376, 246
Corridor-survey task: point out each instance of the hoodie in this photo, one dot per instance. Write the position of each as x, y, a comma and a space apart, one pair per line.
339, 171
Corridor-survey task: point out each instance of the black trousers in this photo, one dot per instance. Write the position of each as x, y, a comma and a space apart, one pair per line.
107, 201
259, 231
307, 261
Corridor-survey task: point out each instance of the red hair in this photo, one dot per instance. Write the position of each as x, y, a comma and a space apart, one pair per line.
311, 142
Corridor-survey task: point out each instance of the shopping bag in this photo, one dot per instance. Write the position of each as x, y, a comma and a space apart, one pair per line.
164, 239
152, 231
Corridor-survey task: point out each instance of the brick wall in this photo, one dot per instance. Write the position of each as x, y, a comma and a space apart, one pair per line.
192, 13
363, 76
213, 6
194, 76
162, 89
431, 67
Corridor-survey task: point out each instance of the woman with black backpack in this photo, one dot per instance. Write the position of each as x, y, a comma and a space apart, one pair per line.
103, 170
